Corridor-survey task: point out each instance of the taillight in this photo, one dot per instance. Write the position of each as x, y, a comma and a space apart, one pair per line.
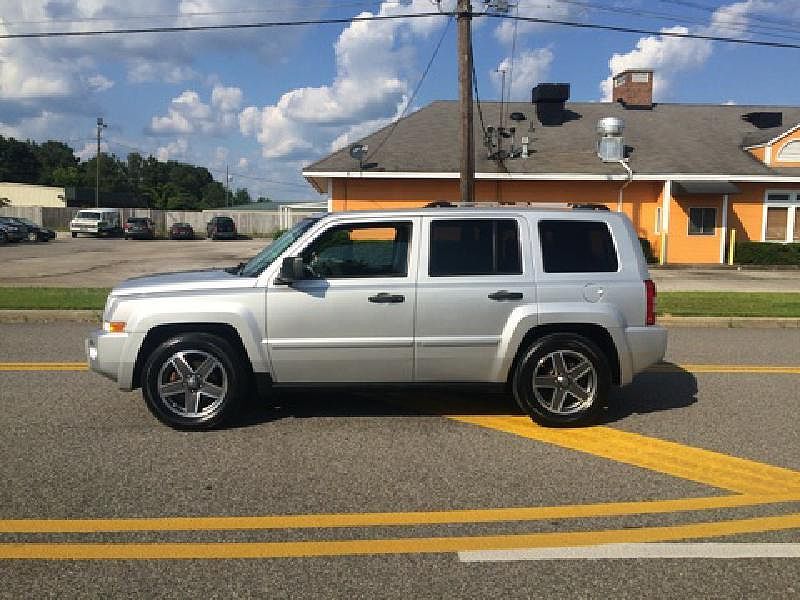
650, 293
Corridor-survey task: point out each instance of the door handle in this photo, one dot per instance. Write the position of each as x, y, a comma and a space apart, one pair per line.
386, 298
505, 295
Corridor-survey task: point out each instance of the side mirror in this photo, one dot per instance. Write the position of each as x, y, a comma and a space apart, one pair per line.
292, 269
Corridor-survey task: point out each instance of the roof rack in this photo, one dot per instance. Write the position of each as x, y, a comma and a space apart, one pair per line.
588, 206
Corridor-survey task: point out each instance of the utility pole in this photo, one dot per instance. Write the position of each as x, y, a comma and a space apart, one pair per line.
227, 180
467, 163
100, 126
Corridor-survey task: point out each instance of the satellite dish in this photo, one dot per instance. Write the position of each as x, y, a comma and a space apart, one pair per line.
517, 116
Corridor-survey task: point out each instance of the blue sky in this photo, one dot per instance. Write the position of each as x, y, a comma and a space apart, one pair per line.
265, 102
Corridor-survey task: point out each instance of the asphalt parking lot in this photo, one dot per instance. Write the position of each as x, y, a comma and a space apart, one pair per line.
342, 493
103, 262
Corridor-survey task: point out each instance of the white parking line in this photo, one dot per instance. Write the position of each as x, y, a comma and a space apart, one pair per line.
616, 551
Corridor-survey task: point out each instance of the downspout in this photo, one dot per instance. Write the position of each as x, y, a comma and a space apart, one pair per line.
624, 163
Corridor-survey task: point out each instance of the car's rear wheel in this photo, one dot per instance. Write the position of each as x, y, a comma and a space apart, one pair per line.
562, 380
74, 234
194, 381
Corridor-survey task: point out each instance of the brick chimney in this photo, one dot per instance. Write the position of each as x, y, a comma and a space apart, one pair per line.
633, 88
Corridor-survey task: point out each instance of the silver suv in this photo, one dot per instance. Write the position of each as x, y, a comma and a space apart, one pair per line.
556, 304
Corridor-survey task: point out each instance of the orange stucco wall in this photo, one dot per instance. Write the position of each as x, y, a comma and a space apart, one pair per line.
640, 202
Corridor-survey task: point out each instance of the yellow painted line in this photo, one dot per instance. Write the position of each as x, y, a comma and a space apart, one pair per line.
43, 366
767, 369
695, 464
239, 550
489, 515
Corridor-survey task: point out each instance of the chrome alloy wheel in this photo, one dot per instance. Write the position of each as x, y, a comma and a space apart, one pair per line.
564, 382
192, 383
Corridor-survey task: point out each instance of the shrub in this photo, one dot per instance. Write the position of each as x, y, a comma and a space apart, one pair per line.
647, 249
767, 253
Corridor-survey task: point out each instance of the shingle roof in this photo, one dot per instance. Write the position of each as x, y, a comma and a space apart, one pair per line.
669, 139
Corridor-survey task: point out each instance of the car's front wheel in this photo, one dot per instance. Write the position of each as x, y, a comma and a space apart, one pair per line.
194, 381
562, 380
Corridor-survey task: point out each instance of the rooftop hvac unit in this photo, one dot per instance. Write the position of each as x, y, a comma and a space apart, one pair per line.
610, 144
611, 148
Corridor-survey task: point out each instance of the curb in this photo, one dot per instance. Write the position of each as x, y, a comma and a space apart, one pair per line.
95, 316
51, 316
730, 322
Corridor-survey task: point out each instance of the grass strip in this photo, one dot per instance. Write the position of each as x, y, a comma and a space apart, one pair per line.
682, 304
729, 304
47, 298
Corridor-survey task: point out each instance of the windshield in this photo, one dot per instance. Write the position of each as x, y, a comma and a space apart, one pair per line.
267, 256
85, 214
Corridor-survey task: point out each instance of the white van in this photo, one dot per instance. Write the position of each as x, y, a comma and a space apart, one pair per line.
96, 221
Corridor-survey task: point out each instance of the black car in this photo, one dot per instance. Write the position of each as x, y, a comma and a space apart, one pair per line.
140, 227
15, 231
221, 228
36, 233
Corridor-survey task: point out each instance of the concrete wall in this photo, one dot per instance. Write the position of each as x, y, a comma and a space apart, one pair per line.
23, 194
256, 222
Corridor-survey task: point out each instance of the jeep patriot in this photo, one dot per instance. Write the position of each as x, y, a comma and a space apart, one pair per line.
557, 304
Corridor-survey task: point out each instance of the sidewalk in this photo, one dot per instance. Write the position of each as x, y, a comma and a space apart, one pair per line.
728, 279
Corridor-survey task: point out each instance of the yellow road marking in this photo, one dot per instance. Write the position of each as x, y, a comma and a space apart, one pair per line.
489, 515
695, 464
232, 550
44, 366
671, 368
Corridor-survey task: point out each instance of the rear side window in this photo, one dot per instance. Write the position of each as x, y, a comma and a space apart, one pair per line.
475, 247
577, 247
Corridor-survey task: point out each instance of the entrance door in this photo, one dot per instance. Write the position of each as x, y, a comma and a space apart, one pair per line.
352, 319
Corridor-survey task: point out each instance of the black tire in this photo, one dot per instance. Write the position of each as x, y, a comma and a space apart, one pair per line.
228, 376
127, 238
574, 398
74, 234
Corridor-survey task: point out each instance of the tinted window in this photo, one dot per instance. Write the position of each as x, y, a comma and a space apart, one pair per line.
577, 247
360, 250
474, 247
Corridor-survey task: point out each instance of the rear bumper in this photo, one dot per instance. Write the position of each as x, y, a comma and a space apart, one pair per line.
107, 354
647, 346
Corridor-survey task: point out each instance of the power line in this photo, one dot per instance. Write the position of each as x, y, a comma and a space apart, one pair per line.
620, 29
258, 25
416, 90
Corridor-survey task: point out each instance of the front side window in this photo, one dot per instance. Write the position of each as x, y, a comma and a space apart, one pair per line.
474, 247
702, 221
360, 250
577, 247
777, 220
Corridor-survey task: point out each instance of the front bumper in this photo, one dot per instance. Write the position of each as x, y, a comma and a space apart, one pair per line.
109, 354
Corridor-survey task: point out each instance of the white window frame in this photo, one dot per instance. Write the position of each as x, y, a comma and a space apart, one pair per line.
689, 225
657, 228
793, 212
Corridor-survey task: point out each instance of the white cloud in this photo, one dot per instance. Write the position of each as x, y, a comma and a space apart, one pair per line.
670, 56
188, 114
243, 163
99, 83
542, 9
176, 150
369, 89
530, 68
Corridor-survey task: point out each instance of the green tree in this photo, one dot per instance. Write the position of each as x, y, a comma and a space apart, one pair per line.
54, 156
242, 196
18, 163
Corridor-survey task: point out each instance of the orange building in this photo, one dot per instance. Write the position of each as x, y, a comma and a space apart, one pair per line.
687, 175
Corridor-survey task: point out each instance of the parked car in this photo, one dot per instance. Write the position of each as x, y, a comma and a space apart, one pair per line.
142, 228
3, 234
36, 233
96, 221
181, 231
15, 232
558, 305
221, 228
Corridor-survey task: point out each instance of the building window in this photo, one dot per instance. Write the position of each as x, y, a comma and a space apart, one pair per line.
657, 228
702, 221
790, 152
782, 217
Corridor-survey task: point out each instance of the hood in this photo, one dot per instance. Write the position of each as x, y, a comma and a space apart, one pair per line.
207, 280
